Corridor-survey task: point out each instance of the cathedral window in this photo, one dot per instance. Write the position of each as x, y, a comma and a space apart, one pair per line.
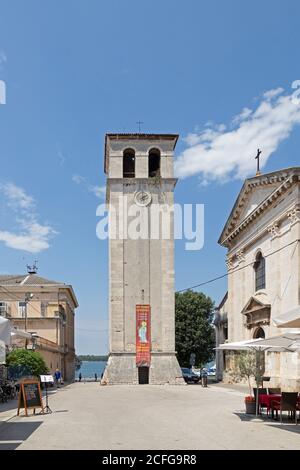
260, 272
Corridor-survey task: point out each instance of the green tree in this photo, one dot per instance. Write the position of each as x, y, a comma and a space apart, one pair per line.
194, 331
32, 361
249, 364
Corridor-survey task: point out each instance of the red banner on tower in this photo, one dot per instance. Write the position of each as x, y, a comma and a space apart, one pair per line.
143, 335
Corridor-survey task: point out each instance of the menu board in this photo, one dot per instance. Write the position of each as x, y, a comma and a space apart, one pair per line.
30, 396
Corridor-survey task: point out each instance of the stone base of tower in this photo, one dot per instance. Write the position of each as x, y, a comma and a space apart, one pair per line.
121, 369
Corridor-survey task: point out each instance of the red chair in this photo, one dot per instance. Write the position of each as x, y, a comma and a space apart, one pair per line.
288, 403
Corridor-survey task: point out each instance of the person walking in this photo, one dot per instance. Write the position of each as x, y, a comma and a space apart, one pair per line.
204, 377
96, 377
80, 376
57, 376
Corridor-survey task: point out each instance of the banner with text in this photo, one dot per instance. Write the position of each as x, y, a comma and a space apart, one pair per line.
143, 335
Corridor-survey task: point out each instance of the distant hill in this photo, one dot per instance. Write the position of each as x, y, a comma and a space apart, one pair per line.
91, 358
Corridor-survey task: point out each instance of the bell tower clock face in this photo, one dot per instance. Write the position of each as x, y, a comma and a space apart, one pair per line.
142, 198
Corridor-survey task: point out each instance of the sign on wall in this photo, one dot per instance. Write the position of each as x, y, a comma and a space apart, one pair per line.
143, 335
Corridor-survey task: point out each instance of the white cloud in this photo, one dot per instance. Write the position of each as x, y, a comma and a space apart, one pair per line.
3, 57
98, 191
31, 236
244, 114
220, 155
78, 179
16, 196
61, 157
273, 93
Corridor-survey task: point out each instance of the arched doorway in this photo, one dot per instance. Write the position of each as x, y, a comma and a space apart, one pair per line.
259, 333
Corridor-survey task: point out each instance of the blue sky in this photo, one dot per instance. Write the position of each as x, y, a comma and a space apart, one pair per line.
218, 73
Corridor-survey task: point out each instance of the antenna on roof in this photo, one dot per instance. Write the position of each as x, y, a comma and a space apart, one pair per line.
139, 123
32, 269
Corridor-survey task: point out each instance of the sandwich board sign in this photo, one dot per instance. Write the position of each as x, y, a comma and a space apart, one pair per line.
47, 379
30, 396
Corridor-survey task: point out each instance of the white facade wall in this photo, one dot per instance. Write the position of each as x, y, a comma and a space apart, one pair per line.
275, 231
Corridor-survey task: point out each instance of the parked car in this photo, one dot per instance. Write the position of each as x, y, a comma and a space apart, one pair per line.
211, 371
189, 376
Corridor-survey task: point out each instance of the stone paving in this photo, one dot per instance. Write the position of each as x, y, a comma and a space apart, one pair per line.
90, 416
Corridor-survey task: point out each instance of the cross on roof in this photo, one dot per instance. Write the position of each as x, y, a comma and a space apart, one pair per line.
257, 158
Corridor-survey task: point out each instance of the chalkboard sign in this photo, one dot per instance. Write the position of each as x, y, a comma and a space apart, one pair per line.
30, 396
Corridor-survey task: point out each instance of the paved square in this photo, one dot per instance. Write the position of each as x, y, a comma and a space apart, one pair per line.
90, 416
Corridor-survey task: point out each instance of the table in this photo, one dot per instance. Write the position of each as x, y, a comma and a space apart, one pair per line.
266, 400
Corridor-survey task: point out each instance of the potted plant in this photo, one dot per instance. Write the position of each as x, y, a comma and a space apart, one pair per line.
245, 369
250, 405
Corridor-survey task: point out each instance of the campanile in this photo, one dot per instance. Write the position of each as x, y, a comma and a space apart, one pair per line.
140, 180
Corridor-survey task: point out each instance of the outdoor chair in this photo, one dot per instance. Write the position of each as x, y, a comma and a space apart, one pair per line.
288, 403
274, 391
261, 391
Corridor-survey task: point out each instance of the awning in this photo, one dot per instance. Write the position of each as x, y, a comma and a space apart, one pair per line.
5, 329
238, 345
280, 343
20, 333
290, 319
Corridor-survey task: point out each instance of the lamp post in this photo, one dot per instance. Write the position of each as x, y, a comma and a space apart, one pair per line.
28, 297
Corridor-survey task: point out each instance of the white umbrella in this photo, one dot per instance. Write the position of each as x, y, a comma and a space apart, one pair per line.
20, 333
290, 319
280, 343
5, 329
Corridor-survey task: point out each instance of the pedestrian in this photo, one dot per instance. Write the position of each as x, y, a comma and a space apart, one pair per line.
96, 377
204, 377
80, 376
57, 376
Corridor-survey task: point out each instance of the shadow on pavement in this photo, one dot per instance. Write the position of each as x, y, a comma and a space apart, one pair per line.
288, 425
244, 417
292, 427
13, 434
9, 405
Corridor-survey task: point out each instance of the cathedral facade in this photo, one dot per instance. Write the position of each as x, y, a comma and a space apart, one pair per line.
262, 237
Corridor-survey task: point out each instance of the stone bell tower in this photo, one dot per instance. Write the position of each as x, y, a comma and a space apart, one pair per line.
140, 180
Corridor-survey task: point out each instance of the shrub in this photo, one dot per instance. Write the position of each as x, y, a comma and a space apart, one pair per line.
32, 361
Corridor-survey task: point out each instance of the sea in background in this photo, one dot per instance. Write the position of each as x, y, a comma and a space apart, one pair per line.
88, 369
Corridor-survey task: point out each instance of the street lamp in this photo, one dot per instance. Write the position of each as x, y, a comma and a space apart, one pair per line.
34, 340
28, 297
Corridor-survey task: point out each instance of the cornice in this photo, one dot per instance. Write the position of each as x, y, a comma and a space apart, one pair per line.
257, 212
274, 229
